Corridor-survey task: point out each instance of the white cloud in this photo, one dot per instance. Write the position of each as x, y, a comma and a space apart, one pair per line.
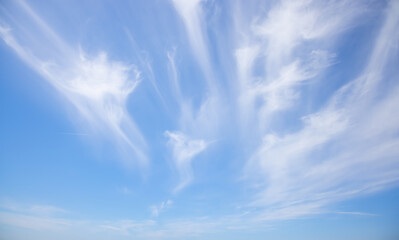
125, 190
21, 217
179, 228
345, 150
99, 90
96, 86
174, 77
195, 125
281, 52
202, 121
37, 210
191, 14
157, 209
32, 222
357, 213
126, 226
37, 217
142, 58
184, 150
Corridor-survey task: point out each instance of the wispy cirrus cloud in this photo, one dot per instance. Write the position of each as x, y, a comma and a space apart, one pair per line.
191, 13
297, 160
38, 210
157, 209
65, 223
195, 126
184, 150
36, 217
201, 121
329, 159
278, 54
181, 228
34, 222
96, 86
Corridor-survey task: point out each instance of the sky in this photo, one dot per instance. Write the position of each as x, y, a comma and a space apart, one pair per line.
199, 119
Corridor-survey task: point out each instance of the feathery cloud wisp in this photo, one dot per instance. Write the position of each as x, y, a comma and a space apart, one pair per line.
329, 159
157, 209
272, 80
184, 150
96, 86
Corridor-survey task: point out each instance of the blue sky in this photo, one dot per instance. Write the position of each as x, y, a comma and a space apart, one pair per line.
199, 119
